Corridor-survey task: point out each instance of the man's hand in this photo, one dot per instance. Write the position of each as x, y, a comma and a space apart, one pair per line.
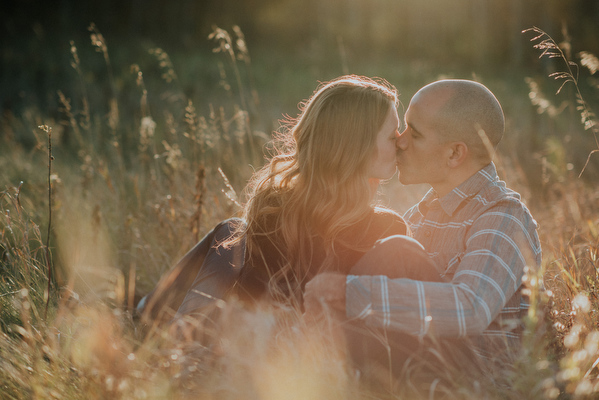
325, 293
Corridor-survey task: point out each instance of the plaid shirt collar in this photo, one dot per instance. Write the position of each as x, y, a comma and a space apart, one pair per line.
467, 189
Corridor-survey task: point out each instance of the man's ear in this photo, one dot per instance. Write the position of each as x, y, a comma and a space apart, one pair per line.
459, 153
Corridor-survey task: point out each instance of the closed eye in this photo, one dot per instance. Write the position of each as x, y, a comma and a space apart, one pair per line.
413, 132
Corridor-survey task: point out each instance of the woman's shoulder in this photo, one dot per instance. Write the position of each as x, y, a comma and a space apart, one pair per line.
385, 211
387, 214
388, 221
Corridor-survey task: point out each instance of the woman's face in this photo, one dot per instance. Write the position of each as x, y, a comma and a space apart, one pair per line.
384, 162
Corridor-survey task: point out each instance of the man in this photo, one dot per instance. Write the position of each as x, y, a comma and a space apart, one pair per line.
478, 232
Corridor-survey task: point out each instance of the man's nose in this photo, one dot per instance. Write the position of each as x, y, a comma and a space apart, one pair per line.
402, 141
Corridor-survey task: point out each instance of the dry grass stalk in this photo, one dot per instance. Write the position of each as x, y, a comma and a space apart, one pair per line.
549, 48
200, 190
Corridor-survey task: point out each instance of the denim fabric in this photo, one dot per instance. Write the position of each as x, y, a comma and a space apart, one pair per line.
218, 273
206, 270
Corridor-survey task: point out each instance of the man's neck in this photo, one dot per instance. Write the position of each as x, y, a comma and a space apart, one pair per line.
455, 178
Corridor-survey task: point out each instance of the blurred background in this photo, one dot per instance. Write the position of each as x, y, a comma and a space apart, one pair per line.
148, 136
108, 64
293, 44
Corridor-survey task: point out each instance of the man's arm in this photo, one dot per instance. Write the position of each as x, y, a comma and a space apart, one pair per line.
501, 242
325, 290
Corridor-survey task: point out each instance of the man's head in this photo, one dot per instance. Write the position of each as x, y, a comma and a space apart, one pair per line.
452, 129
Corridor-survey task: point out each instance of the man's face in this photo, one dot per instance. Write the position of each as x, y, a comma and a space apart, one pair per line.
422, 153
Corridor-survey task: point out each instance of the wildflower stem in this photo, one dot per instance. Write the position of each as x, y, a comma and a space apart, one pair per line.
48, 130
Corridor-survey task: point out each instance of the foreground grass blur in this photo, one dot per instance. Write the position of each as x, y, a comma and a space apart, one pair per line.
134, 188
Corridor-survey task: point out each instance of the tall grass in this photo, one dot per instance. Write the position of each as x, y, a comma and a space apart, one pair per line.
126, 208
569, 74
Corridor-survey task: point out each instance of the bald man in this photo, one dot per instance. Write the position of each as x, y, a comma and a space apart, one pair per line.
477, 231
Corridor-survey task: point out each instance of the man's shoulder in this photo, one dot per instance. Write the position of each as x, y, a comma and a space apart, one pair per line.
497, 192
505, 212
498, 199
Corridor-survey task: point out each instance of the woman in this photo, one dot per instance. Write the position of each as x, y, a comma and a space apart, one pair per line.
310, 209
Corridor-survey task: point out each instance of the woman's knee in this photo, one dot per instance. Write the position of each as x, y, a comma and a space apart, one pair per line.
399, 244
397, 256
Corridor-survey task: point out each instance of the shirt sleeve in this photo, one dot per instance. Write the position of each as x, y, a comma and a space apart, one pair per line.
500, 243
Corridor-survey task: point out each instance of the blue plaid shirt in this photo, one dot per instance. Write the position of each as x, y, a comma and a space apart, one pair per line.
482, 236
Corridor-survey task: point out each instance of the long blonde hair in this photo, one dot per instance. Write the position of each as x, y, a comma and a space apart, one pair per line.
317, 184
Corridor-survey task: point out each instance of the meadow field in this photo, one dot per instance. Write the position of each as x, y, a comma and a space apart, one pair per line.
101, 196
